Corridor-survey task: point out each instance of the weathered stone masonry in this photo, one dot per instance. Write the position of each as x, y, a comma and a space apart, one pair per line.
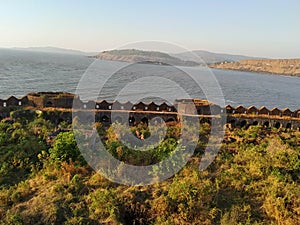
144, 112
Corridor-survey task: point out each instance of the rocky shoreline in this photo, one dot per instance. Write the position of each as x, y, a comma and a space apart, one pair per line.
289, 67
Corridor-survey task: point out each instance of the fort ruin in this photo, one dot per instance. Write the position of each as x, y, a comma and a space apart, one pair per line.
144, 112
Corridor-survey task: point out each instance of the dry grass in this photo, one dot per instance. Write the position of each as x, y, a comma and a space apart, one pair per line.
274, 66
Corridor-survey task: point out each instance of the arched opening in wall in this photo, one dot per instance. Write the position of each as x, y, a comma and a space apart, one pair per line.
243, 124
266, 124
288, 126
49, 104
202, 120
277, 125
105, 119
232, 123
209, 122
255, 123
170, 120
131, 120
145, 121
60, 120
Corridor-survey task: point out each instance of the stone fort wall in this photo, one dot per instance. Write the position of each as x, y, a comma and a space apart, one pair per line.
236, 116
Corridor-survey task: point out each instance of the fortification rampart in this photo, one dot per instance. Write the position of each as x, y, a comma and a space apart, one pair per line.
144, 112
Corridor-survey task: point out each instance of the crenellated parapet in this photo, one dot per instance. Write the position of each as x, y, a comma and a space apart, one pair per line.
244, 117
13, 101
42, 100
262, 112
235, 115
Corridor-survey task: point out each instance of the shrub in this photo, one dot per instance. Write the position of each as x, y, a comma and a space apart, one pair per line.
65, 149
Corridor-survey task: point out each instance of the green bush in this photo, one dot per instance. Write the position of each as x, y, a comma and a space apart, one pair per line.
65, 149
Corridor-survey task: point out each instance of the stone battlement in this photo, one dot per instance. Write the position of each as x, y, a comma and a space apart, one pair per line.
65, 100
235, 115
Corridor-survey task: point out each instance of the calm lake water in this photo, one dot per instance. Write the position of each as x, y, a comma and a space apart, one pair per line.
22, 72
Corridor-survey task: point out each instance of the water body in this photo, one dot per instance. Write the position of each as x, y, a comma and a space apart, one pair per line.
22, 72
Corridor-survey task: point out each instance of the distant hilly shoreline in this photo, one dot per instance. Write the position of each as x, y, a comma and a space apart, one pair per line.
289, 67
140, 56
196, 57
211, 57
55, 50
193, 58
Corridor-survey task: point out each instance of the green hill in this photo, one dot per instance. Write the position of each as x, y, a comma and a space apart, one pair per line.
133, 55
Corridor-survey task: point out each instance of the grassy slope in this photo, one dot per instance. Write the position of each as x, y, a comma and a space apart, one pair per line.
253, 180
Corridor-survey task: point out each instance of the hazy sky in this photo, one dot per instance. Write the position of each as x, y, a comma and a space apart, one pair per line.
269, 28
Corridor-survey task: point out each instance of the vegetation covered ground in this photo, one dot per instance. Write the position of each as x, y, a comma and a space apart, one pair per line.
253, 180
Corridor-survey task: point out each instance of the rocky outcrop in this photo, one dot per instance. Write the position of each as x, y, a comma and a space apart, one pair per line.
274, 66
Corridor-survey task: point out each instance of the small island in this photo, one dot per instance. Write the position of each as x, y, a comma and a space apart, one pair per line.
140, 56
